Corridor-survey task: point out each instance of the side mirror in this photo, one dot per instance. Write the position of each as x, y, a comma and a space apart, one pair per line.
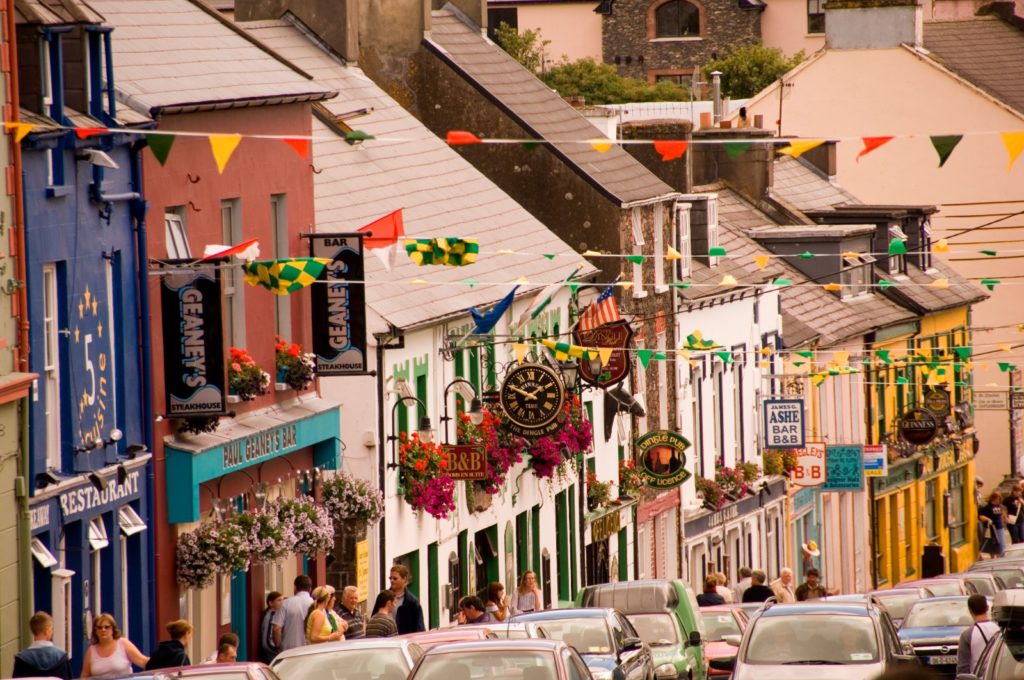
695, 638
631, 643
731, 640
908, 648
723, 663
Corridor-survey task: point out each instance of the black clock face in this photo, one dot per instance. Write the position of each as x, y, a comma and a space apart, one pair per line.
532, 396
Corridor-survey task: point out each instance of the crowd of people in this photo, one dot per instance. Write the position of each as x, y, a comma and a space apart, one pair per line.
753, 586
999, 518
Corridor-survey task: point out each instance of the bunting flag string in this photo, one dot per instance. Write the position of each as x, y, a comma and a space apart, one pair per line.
285, 276
1014, 143
223, 146
944, 145
451, 252
872, 143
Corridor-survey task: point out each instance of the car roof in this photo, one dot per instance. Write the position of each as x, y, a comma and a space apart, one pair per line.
559, 614
633, 597
345, 645
817, 607
528, 644
477, 631
916, 590
201, 669
944, 598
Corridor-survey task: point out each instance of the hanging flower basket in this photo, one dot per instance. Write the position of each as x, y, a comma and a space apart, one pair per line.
350, 498
309, 523
198, 424
631, 480
294, 368
269, 538
211, 549
779, 461
599, 493
245, 379
711, 492
503, 449
556, 452
422, 475
732, 482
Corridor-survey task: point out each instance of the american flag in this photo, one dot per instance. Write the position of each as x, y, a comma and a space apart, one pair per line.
603, 310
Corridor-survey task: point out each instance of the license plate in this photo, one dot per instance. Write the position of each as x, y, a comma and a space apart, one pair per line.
949, 659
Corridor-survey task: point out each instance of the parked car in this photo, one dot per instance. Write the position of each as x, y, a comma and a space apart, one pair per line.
665, 614
898, 601
1004, 654
488, 659
609, 644
221, 671
366, 659
933, 627
719, 621
985, 583
1014, 550
820, 639
941, 586
1009, 569
510, 630
432, 638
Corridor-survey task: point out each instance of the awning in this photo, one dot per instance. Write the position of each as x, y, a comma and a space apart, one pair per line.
98, 534
42, 554
129, 521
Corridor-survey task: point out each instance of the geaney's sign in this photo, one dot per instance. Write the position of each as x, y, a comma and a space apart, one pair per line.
339, 305
193, 341
661, 454
783, 423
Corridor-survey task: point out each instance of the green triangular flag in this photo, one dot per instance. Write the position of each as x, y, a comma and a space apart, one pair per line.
782, 282
661, 356
806, 255
470, 282
944, 145
990, 253
736, 149
806, 354
1005, 366
725, 356
644, 355
989, 283
799, 363
961, 383
883, 284
573, 287
964, 353
901, 380
550, 256
160, 145
358, 136
716, 251
635, 259
682, 284
897, 246
883, 354
530, 146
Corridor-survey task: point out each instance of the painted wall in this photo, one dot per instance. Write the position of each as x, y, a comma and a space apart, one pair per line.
574, 30
905, 171
784, 25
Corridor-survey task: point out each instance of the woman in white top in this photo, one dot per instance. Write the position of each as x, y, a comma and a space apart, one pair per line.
527, 597
110, 655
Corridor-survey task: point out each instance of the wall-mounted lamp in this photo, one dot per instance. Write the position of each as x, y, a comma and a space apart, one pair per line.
122, 474
570, 374
476, 406
46, 478
134, 450
98, 481
98, 158
425, 430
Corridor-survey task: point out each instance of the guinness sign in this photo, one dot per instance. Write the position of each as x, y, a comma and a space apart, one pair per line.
937, 401
918, 426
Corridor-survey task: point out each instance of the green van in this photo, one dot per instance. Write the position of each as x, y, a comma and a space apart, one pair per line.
666, 615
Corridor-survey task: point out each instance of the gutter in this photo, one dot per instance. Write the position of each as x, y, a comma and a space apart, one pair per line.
242, 103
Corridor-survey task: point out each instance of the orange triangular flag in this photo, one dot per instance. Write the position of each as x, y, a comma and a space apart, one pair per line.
872, 143
86, 132
600, 145
761, 260
21, 130
798, 147
299, 145
386, 230
457, 137
670, 150
223, 146
1014, 143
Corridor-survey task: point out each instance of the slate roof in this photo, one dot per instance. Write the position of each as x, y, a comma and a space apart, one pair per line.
540, 110
928, 299
985, 51
175, 55
442, 195
806, 187
55, 12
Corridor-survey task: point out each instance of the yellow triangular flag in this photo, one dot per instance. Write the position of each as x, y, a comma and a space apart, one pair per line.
1006, 347
21, 130
968, 366
850, 254
940, 283
520, 349
522, 281
728, 280
766, 351
684, 353
506, 251
600, 145
223, 146
941, 246
1014, 143
419, 282
832, 287
694, 363
933, 380
606, 354
841, 357
673, 254
762, 260
765, 364
625, 285
797, 148
591, 253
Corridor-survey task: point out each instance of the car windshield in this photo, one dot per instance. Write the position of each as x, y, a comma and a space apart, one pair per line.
348, 664
655, 629
929, 614
898, 603
943, 588
983, 586
508, 665
719, 624
510, 633
588, 636
1012, 578
810, 639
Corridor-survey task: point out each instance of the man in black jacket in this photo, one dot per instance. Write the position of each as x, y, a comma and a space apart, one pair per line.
171, 653
758, 591
42, 658
409, 614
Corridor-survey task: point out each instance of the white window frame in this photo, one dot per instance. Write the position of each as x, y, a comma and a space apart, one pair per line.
716, 411
60, 602
176, 235
129, 521
279, 228
712, 219
45, 74
850, 265
683, 240
737, 411
897, 263
51, 366
636, 218
42, 554
659, 249
234, 290
926, 244
125, 620
98, 539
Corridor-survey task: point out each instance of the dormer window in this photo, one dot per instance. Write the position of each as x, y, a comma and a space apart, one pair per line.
897, 263
45, 73
925, 254
96, 71
855, 275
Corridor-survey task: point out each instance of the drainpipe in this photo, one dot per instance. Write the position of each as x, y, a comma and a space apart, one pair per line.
381, 338
24, 524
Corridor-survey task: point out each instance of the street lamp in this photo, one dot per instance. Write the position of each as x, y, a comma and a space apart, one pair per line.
570, 374
425, 430
476, 407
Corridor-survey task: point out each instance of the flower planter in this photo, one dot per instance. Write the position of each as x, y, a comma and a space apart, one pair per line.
478, 498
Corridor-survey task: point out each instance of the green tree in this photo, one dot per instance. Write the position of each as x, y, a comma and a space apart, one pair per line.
748, 69
601, 84
527, 47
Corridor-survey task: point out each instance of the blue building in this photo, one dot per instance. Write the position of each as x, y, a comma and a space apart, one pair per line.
90, 418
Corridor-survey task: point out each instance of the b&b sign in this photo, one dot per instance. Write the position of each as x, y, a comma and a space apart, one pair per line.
783, 423
466, 462
810, 467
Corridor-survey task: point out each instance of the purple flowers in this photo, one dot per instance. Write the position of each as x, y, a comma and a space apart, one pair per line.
348, 497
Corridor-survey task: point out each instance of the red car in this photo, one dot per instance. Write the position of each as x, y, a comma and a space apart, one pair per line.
433, 638
721, 620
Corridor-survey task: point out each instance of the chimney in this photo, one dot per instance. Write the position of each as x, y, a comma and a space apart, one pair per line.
873, 24
751, 173
474, 10
336, 22
716, 96
677, 173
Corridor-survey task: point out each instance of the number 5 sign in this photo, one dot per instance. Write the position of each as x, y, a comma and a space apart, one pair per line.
810, 465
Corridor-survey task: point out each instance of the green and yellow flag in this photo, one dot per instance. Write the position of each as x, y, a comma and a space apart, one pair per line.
451, 252
282, 277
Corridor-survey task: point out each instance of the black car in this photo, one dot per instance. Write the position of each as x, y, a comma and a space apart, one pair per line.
607, 641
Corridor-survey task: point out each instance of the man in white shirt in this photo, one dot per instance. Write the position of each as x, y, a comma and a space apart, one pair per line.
974, 639
742, 585
290, 623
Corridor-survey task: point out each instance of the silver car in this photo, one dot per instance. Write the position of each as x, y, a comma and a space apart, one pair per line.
366, 659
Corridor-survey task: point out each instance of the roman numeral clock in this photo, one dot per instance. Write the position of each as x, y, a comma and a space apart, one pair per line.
532, 396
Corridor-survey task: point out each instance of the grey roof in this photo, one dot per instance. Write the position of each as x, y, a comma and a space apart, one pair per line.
55, 12
541, 111
927, 299
174, 55
803, 185
985, 51
441, 193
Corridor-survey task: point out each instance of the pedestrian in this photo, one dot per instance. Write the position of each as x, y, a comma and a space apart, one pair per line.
710, 596
110, 655
973, 639
472, 610
322, 624
381, 623
229, 639
783, 586
226, 653
809, 551
1014, 504
992, 515
268, 649
722, 587
42, 658
758, 591
171, 653
743, 583
349, 610
408, 612
289, 627
811, 588
497, 601
527, 597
